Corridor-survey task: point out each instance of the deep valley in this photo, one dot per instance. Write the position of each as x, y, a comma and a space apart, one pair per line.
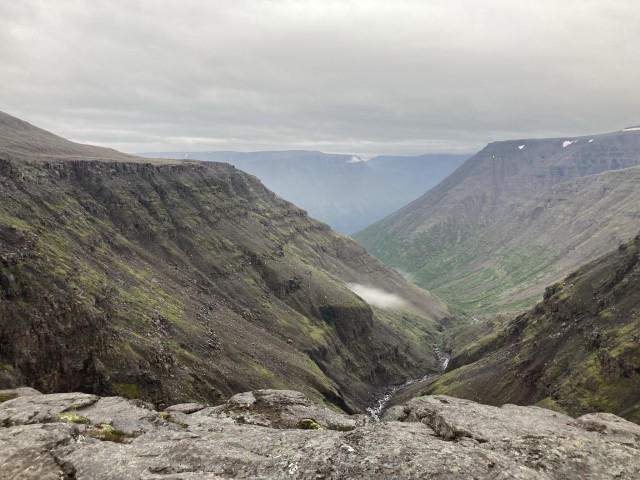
174, 281
157, 300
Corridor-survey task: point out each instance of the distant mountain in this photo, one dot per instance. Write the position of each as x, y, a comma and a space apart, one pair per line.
21, 139
342, 190
577, 351
517, 216
180, 281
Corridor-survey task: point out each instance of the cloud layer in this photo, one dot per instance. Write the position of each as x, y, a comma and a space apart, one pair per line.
363, 77
376, 297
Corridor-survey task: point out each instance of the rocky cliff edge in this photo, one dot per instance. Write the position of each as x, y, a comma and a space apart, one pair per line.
283, 434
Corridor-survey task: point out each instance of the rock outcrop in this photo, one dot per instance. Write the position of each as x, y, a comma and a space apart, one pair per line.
282, 434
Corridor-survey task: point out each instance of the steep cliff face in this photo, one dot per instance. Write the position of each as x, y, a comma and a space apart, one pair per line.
172, 281
341, 190
500, 228
578, 350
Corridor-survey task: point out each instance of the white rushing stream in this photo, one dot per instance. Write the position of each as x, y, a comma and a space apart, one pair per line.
383, 400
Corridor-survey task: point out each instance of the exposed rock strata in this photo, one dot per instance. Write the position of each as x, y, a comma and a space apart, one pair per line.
282, 434
176, 281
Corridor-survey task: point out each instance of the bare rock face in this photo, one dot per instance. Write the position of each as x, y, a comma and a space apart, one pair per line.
280, 409
42, 408
37, 465
611, 426
39, 437
272, 434
593, 446
455, 418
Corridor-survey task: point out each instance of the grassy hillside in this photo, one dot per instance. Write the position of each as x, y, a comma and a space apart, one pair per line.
176, 281
577, 351
512, 220
507, 267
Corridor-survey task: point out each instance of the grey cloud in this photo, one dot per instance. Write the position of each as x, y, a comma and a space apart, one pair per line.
353, 76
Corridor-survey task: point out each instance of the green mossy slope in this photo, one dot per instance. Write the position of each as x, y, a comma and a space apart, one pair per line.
577, 351
186, 281
511, 220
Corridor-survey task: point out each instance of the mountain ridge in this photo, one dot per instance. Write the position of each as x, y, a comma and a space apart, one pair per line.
170, 280
339, 189
24, 139
436, 238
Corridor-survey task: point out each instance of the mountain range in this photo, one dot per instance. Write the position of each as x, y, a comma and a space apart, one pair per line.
516, 217
172, 281
342, 190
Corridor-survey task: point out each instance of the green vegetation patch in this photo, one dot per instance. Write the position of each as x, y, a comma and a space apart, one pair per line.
550, 404
422, 331
7, 367
308, 424
73, 417
126, 390
588, 390
108, 433
478, 281
627, 341
166, 416
147, 296
267, 376
607, 314
7, 396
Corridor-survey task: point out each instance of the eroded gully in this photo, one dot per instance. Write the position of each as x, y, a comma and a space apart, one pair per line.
386, 398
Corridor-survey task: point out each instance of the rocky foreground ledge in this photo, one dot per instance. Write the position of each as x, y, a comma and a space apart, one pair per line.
282, 434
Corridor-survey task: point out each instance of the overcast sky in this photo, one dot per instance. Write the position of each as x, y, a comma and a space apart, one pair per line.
365, 77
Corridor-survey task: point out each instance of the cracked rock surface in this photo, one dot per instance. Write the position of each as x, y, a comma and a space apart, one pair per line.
267, 434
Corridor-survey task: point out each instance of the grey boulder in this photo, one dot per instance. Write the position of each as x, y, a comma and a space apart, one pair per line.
271, 434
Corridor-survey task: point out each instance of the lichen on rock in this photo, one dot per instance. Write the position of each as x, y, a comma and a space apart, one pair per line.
285, 435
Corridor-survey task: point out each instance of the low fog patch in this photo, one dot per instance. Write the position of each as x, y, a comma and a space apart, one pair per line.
376, 297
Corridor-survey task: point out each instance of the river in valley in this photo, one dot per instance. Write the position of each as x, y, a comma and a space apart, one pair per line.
394, 393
